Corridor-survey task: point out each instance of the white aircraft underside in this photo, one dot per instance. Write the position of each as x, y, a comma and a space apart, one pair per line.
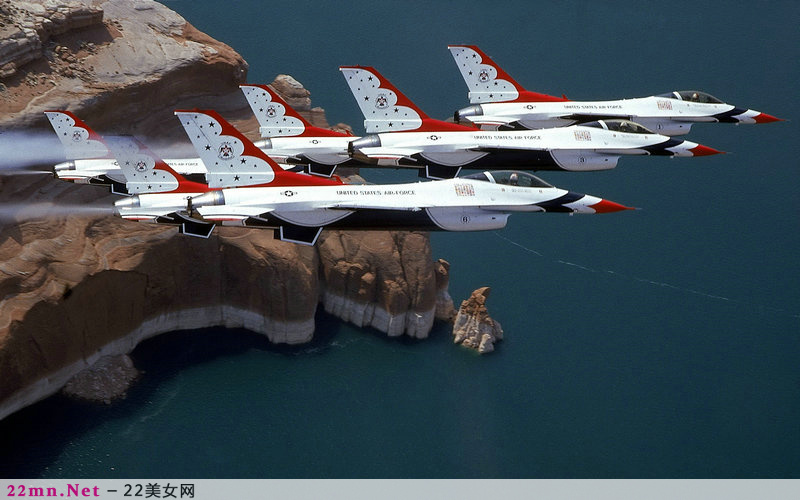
479, 202
667, 116
323, 150
594, 146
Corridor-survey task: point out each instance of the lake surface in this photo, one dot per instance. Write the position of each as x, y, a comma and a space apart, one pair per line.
657, 343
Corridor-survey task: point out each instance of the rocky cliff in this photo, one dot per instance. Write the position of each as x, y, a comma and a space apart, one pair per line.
74, 290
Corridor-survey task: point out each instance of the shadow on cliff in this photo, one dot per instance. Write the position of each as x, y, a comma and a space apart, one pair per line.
34, 438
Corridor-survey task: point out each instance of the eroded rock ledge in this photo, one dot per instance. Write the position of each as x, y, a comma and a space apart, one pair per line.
75, 290
26, 27
106, 380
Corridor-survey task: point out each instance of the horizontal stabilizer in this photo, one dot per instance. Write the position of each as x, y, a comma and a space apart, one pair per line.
381, 153
116, 186
440, 172
234, 212
298, 234
320, 169
193, 227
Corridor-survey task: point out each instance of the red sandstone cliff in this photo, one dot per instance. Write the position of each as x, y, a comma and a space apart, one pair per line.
73, 290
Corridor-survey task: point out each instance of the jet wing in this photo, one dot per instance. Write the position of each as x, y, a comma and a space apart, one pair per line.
244, 211
387, 154
389, 205
232, 212
323, 158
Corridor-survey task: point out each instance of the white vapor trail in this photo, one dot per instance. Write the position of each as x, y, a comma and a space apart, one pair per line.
657, 283
21, 212
20, 149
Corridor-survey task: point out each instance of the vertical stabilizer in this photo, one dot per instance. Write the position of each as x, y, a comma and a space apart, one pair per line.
145, 172
276, 118
232, 159
385, 108
78, 139
487, 82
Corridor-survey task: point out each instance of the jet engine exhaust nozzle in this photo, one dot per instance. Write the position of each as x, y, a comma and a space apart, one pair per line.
126, 203
64, 167
461, 114
206, 199
369, 141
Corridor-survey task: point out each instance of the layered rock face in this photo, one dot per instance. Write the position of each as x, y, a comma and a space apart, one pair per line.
473, 326
445, 311
380, 279
75, 289
26, 27
105, 66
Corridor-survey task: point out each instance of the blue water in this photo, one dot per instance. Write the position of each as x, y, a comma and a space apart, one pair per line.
657, 343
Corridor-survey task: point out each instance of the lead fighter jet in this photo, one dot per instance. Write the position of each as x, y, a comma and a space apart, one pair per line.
442, 149
298, 210
500, 103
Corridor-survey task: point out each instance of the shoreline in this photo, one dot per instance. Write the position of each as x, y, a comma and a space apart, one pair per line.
291, 333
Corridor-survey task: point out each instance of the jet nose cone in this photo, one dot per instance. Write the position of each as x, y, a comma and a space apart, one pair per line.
765, 118
701, 150
608, 206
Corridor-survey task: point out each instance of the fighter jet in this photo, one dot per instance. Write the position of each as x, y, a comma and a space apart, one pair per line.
291, 139
159, 193
162, 195
500, 103
298, 210
89, 160
441, 149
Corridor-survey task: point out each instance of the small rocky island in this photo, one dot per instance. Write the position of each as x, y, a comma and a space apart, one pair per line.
473, 326
78, 291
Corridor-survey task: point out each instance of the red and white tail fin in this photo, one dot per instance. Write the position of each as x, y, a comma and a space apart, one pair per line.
276, 118
385, 108
232, 159
487, 82
78, 139
146, 172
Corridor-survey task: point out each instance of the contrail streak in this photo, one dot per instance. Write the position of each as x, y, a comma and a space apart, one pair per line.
21, 212
24, 148
657, 283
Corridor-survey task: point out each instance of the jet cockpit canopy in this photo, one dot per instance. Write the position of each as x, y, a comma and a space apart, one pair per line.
692, 96
626, 126
509, 178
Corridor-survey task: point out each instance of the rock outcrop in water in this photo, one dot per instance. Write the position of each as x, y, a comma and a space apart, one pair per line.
106, 380
75, 290
445, 311
473, 326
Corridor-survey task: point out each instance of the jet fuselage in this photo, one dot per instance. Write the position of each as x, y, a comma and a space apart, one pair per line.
594, 146
662, 114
